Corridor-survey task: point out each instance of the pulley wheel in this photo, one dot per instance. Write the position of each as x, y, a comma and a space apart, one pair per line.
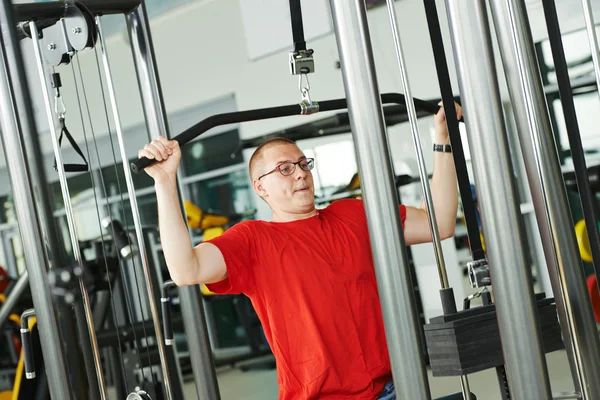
80, 26
139, 395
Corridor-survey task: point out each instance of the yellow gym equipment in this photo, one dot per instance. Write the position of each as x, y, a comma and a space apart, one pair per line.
583, 241
198, 219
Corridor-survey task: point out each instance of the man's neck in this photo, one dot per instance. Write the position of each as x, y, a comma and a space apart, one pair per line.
284, 216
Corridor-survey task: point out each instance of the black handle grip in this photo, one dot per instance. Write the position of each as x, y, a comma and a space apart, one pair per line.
76, 167
28, 353
166, 311
140, 164
167, 323
27, 344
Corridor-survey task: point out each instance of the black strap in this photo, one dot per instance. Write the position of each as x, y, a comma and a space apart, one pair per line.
297, 26
70, 167
460, 163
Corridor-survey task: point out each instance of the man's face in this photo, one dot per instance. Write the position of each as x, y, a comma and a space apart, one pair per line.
293, 193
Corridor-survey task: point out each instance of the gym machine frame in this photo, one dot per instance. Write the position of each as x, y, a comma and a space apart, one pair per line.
42, 15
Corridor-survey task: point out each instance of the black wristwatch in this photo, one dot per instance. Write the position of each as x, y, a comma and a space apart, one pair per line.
443, 148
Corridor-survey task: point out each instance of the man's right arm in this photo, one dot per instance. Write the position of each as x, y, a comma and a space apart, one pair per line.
187, 265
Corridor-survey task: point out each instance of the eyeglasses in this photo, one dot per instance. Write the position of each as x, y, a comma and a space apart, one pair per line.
288, 168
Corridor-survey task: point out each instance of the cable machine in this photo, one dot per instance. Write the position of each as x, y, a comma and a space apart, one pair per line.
70, 324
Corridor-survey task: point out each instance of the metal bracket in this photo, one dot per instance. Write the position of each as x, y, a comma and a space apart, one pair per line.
479, 273
55, 44
75, 32
302, 62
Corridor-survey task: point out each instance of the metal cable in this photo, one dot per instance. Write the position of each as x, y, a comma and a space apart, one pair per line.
128, 304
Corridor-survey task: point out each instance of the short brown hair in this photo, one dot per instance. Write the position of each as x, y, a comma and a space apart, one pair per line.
258, 153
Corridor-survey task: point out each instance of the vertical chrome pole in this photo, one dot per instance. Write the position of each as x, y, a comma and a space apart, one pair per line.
548, 191
381, 200
588, 16
70, 216
447, 294
21, 147
414, 127
137, 224
205, 376
515, 300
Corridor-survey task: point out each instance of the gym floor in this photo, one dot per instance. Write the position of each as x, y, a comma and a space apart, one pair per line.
262, 385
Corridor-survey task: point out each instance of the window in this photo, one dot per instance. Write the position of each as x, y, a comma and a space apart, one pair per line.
114, 178
225, 194
80, 190
213, 152
586, 107
585, 94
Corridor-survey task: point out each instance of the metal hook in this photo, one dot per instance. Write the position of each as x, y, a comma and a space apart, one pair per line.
63, 110
304, 89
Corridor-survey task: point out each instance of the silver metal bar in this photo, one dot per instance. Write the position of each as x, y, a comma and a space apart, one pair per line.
13, 298
588, 16
548, 192
28, 181
564, 396
69, 213
488, 140
414, 127
381, 200
464, 385
136, 219
205, 376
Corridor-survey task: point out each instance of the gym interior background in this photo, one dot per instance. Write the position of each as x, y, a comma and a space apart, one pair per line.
223, 56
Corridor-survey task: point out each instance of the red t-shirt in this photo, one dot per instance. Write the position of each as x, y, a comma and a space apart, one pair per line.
312, 283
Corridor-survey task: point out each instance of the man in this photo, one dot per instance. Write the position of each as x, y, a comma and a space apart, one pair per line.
309, 273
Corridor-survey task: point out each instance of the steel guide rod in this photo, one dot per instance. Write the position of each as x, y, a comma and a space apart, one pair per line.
137, 224
548, 192
447, 295
40, 242
201, 358
69, 214
488, 140
414, 127
381, 200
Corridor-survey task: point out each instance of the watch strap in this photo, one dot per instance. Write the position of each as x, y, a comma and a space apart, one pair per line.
444, 148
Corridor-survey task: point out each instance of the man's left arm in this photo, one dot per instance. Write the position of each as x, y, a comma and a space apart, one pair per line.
444, 192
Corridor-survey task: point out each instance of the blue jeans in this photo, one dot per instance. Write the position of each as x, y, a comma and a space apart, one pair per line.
388, 392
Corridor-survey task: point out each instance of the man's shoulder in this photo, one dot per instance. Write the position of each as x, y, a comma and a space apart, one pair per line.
343, 204
352, 208
247, 225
